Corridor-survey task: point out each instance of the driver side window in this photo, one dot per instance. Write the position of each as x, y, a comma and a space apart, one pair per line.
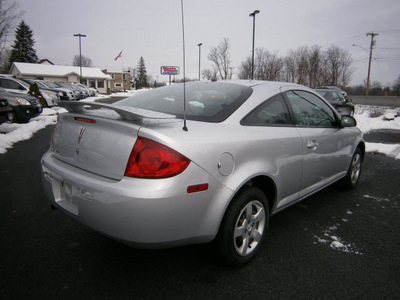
310, 110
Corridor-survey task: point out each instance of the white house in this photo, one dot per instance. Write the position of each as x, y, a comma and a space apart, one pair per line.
92, 77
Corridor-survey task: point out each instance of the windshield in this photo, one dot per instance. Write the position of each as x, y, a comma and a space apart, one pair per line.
49, 84
331, 95
23, 83
205, 101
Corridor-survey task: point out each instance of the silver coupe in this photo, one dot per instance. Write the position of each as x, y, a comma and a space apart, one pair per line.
198, 162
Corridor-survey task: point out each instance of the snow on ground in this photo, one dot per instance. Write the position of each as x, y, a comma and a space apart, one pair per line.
371, 118
368, 118
336, 242
330, 236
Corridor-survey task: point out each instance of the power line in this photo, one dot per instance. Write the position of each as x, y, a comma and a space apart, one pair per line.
345, 40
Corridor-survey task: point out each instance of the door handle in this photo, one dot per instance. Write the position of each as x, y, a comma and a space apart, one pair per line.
312, 145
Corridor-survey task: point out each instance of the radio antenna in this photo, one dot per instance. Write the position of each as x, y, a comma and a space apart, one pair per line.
184, 71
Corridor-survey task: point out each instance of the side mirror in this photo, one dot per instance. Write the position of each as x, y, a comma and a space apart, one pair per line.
348, 121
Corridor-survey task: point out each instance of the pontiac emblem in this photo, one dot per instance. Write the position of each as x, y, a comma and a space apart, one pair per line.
81, 132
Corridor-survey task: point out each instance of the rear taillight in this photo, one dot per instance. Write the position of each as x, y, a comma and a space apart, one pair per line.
150, 159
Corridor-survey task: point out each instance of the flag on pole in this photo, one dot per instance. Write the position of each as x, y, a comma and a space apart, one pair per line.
118, 56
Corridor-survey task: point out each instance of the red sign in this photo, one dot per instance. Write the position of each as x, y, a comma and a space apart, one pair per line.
169, 70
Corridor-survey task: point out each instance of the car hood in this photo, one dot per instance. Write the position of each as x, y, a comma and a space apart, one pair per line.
7, 94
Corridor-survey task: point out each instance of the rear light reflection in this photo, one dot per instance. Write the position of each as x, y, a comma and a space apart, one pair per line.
150, 159
85, 120
197, 188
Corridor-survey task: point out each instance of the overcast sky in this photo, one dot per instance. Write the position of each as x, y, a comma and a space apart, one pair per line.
152, 29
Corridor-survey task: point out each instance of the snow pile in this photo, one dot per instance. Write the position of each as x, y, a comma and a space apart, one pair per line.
371, 118
12, 133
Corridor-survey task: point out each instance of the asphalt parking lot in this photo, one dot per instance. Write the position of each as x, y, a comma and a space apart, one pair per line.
333, 245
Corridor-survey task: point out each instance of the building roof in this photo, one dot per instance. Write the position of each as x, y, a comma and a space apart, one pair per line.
115, 70
45, 61
56, 71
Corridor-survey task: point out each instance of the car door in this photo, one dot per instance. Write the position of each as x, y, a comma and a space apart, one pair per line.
281, 146
324, 143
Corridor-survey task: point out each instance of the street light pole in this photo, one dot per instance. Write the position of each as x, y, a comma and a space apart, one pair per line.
253, 14
80, 54
199, 45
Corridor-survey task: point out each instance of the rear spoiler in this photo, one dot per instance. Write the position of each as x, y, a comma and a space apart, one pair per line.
126, 113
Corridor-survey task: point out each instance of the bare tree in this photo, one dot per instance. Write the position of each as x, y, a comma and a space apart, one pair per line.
86, 61
307, 66
273, 66
209, 74
245, 69
338, 65
221, 58
8, 16
396, 86
313, 67
5, 64
268, 66
290, 67
315, 62
302, 65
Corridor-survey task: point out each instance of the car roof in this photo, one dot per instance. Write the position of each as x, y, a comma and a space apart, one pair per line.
254, 83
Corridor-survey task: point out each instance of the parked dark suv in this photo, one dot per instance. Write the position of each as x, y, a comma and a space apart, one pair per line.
5, 111
24, 107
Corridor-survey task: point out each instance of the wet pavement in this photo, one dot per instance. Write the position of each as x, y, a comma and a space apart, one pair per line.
384, 136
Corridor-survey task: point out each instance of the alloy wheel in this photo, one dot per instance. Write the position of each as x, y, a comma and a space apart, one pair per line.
249, 228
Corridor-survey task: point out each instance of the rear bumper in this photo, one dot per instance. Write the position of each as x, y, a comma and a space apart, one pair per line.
154, 213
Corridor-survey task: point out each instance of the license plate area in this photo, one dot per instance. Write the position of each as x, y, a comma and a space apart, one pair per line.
65, 196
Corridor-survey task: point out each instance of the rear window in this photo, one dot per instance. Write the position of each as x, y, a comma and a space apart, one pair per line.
205, 101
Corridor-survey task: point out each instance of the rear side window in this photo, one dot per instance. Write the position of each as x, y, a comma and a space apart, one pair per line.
205, 101
310, 110
271, 112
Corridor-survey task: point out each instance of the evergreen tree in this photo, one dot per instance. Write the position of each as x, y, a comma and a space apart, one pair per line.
22, 49
141, 80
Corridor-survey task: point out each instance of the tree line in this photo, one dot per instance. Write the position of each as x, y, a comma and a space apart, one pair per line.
309, 66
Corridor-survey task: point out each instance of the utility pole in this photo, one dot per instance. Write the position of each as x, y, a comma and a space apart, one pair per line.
372, 34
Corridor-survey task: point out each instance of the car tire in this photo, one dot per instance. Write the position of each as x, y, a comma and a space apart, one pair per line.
354, 172
243, 227
11, 117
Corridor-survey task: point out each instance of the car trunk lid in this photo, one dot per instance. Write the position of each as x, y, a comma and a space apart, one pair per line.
98, 140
